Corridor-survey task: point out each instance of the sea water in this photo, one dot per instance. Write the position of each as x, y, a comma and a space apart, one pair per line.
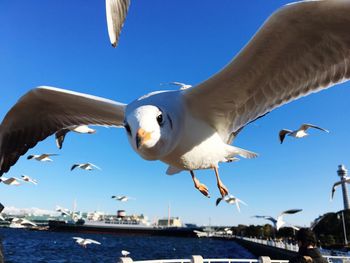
22, 245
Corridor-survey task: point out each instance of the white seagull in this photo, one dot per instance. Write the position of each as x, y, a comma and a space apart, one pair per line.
10, 181
61, 134
194, 129
28, 179
279, 222
230, 199
125, 253
42, 157
299, 133
85, 241
63, 211
181, 85
122, 198
116, 11
21, 221
85, 166
346, 179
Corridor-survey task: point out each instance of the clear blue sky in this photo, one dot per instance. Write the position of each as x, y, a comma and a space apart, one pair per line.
65, 44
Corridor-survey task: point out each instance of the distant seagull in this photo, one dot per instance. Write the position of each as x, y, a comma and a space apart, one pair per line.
85, 166
42, 157
63, 211
125, 253
85, 241
10, 181
22, 221
279, 223
26, 178
116, 11
300, 133
195, 128
347, 180
61, 134
230, 199
182, 86
122, 198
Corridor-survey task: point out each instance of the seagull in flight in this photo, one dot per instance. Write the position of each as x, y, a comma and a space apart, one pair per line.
346, 179
299, 133
279, 222
230, 199
125, 253
22, 221
85, 241
63, 211
28, 179
10, 181
41, 157
116, 11
122, 198
182, 86
195, 128
85, 166
61, 134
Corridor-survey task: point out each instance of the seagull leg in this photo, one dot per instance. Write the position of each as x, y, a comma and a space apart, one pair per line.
201, 187
221, 186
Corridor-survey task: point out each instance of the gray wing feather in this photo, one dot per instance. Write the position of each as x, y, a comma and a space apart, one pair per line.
302, 48
46, 110
116, 11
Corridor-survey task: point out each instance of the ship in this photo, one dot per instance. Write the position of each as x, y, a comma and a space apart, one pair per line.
123, 224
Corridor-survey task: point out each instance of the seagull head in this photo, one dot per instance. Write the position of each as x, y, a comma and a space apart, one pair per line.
149, 129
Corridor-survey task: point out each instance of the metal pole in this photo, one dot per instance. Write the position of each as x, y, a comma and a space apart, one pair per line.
342, 172
344, 229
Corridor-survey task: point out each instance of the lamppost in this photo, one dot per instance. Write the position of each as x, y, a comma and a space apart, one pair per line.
342, 173
344, 227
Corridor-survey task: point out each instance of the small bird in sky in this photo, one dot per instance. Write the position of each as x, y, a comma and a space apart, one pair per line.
116, 11
334, 187
182, 86
28, 179
85, 241
230, 199
63, 211
41, 157
10, 180
125, 253
61, 134
279, 222
85, 166
299, 133
122, 198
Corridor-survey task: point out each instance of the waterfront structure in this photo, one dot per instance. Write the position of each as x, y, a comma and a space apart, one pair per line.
342, 173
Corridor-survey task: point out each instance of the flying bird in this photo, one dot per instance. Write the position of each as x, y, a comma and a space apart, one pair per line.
194, 129
181, 85
299, 133
116, 11
15, 222
279, 222
346, 180
41, 157
230, 199
61, 134
63, 211
122, 198
85, 166
125, 253
85, 241
10, 181
28, 179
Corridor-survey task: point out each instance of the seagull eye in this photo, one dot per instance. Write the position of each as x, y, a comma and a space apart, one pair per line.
160, 119
127, 128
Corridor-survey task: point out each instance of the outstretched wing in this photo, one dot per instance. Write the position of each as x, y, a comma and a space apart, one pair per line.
46, 110
301, 49
91, 241
291, 211
307, 126
334, 188
282, 134
116, 11
270, 218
